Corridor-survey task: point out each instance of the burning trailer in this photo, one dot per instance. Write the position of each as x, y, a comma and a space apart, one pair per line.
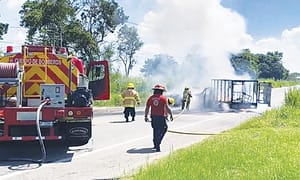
236, 94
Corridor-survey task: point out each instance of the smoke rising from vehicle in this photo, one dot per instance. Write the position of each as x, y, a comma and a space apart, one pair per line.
199, 34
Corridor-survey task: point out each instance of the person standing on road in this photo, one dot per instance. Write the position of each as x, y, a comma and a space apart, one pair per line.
130, 100
158, 104
186, 98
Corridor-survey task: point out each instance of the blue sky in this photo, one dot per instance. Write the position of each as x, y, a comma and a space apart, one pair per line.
264, 18
208, 29
267, 18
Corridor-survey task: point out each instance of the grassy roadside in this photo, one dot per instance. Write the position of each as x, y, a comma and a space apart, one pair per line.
280, 83
266, 147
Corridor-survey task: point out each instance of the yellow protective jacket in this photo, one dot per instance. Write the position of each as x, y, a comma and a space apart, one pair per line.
187, 94
130, 98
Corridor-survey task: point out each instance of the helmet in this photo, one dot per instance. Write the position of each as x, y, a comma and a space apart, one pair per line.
130, 85
159, 87
171, 101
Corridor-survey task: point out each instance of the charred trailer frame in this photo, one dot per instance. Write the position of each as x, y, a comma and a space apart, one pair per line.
265, 91
237, 94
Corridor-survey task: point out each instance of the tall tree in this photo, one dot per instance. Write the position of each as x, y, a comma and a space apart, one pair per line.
46, 20
77, 24
245, 63
157, 66
270, 66
128, 44
80, 41
259, 65
100, 18
3, 29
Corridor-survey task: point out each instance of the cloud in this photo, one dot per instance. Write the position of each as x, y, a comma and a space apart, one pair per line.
288, 43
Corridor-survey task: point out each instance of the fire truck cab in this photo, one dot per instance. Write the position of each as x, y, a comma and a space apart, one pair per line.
39, 81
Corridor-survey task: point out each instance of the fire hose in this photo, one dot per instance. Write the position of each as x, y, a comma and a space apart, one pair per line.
8, 70
192, 133
188, 133
42, 145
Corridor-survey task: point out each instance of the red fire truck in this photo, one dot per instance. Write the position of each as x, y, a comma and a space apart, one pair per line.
43, 95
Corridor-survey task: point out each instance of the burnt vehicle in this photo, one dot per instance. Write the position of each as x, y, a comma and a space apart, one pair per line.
237, 94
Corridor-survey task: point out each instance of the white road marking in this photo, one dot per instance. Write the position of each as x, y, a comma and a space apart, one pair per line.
12, 174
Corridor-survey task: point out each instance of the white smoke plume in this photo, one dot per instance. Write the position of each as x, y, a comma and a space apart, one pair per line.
199, 34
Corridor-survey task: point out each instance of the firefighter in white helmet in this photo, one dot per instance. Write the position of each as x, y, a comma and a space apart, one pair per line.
130, 100
186, 98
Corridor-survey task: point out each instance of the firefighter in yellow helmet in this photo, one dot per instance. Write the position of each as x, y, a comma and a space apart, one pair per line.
171, 101
130, 100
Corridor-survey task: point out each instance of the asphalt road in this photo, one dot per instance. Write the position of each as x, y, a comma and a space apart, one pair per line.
119, 148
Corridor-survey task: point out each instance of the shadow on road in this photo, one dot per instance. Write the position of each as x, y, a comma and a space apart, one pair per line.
122, 121
28, 155
141, 150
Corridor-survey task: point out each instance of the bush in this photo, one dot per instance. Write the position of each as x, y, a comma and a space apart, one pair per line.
118, 84
292, 98
280, 83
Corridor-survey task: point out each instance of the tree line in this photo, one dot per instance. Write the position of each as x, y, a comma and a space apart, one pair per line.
261, 66
245, 63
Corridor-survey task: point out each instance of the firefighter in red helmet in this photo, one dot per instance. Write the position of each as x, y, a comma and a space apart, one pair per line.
159, 109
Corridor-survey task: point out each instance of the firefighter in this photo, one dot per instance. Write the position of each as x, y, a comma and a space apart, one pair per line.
130, 100
186, 98
171, 101
158, 105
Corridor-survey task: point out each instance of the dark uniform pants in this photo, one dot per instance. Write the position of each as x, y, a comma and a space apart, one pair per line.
160, 127
129, 111
185, 104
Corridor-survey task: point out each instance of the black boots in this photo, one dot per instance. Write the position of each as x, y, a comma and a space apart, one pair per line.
126, 118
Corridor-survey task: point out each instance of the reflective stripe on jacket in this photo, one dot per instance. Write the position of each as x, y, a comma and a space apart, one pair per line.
130, 98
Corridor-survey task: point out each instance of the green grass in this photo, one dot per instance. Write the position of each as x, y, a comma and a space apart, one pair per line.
266, 147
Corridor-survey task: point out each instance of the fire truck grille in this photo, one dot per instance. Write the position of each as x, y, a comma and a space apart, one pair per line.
28, 130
